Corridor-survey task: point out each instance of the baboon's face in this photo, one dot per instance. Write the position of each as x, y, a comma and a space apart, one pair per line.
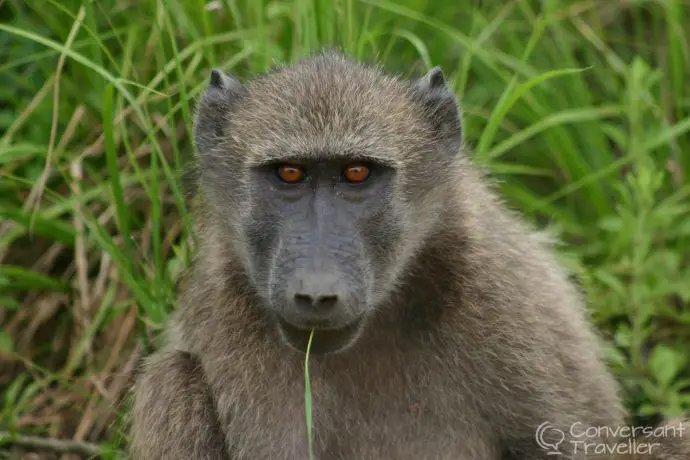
321, 232
335, 178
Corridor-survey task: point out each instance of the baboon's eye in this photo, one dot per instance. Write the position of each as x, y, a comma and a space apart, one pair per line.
291, 174
356, 173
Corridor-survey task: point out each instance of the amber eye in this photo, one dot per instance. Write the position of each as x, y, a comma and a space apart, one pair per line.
291, 174
356, 173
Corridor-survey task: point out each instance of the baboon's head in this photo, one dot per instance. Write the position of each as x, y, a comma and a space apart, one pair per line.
329, 175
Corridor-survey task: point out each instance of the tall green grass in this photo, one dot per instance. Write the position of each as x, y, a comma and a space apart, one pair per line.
580, 109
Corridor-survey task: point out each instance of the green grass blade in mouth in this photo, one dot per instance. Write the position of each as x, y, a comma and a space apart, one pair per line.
307, 396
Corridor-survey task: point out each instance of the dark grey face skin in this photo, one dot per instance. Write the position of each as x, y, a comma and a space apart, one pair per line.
324, 252
316, 243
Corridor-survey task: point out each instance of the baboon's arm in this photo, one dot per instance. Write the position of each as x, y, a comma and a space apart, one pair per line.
173, 415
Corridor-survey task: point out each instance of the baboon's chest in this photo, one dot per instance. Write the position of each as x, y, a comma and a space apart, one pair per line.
349, 426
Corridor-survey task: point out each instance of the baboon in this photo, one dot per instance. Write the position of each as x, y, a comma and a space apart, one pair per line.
338, 198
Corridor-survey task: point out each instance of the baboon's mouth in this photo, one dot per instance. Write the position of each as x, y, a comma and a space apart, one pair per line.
325, 340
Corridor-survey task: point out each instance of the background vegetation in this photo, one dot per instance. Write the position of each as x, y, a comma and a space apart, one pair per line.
579, 108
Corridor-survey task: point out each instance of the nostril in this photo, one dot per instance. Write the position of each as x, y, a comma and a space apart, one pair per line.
326, 301
304, 300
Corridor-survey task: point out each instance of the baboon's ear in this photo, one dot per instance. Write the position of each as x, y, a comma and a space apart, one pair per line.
214, 109
441, 108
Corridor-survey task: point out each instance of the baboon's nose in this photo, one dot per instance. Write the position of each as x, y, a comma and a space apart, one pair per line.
313, 292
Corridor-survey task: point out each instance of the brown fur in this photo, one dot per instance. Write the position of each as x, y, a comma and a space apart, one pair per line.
482, 338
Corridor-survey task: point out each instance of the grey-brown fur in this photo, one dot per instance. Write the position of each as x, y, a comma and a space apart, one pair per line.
477, 336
